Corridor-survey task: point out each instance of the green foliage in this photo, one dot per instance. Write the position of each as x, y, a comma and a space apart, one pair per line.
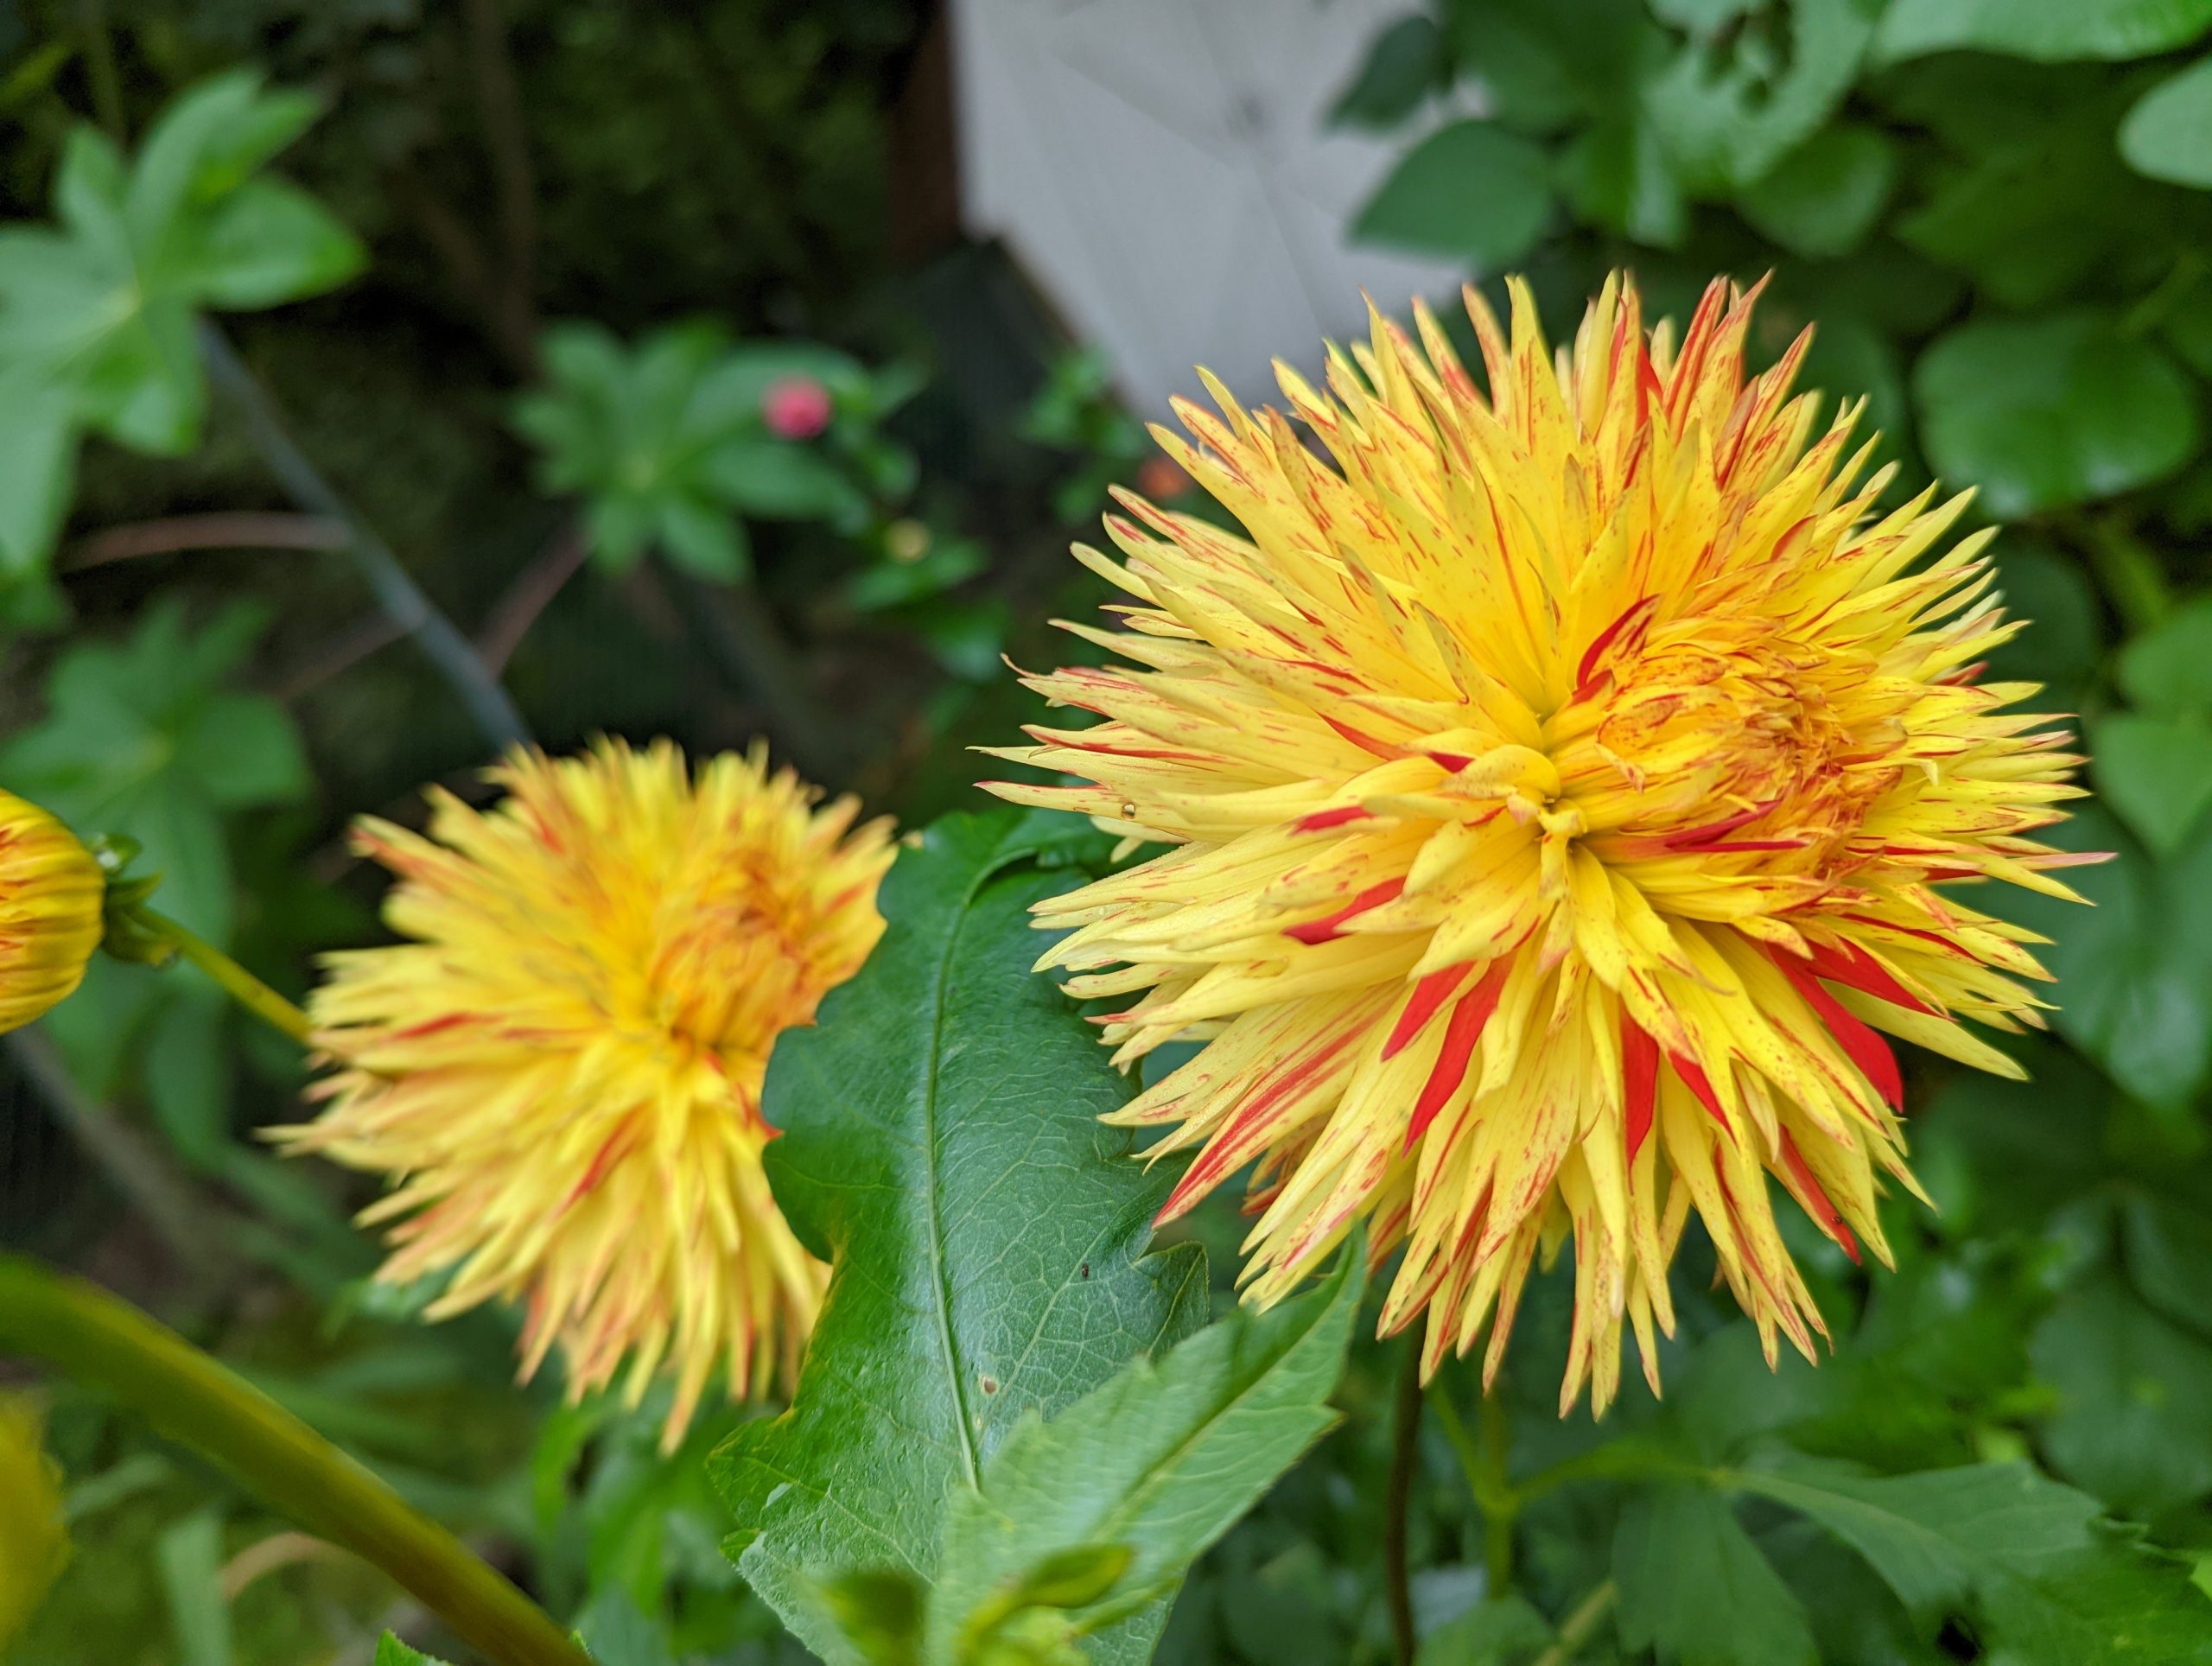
97, 312
390, 1651
148, 737
670, 443
941, 1147
1469, 190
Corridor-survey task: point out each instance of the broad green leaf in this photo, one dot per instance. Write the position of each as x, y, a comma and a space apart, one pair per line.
2156, 774
2044, 412
2063, 643
1404, 66
2052, 29
390, 1651
703, 538
38, 466
942, 1149
270, 243
1731, 121
1695, 1589
1470, 191
2169, 1254
2134, 1417
780, 480
34, 1535
1161, 1459
2169, 669
2168, 134
1823, 198
1501, 1631
1619, 174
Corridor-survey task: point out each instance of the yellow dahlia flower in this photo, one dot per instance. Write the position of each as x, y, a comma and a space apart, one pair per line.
50, 895
561, 1068
1565, 790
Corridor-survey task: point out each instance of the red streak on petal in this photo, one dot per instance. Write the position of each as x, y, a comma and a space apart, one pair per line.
1464, 1029
1698, 1082
1321, 819
1860, 1040
617, 1143
1365, 742
1639, 1081
1729, 845
416, 1032
1845, 962
1226, 1149
1823, 1212
1428, 995
1453, 761
1324, 929
1711, 830
1586, 671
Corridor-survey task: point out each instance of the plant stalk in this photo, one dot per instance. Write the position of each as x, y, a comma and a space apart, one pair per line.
1576, 1628
242, 986
395, 591
190, 1398
1405, 1459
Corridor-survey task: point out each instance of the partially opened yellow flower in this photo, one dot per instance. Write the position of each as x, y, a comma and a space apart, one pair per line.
561, 1068
1564, 789
50, 893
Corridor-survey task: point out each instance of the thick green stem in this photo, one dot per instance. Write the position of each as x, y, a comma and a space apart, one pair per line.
77, 1329
1483, 1458
1405, 1461
242, 986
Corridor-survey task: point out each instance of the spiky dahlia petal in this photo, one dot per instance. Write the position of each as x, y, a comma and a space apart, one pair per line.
559, 1068
1564, 789
50, 895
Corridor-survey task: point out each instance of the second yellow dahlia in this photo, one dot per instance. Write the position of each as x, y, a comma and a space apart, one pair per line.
50, 893
1566, 789
560, 1069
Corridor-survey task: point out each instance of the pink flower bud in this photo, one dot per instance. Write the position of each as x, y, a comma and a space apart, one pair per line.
796, 408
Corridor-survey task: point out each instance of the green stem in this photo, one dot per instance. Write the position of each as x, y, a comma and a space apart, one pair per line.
395, 590
190, 1398
242, 986
2127, 571
1405, 1461
1483, 1458
1576, 1628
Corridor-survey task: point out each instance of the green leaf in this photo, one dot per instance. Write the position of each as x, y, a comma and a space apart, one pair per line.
2134, 1419
1695, 1589
2156, 774
2044, 412
143, 738
2168, 133
701, 538
2169, 1247
38, 467
271, 243
780, 480
2168, 670
2048, 30
1823, 198
390, 1651
1499, 1631
1617, 173
2063, 643
1472, 191
1404, 66
2051, 1584
1731, 121
1163, 1459
942, 1149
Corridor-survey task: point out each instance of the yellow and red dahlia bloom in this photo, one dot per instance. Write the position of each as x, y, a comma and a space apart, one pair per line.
1566, 790
560, 1067
50, 895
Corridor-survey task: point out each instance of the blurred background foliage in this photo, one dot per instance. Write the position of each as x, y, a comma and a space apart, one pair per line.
615, 333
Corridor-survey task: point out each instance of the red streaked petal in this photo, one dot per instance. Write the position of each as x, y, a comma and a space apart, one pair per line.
1824, 1213
1428, 995
1698, 1082
1860, 1040
1324, 929
1639, 1080
1326, 818
1460, 1035
1847, 963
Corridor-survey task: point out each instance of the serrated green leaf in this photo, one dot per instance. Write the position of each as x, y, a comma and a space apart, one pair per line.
1472, 191
1729, 122
1499, 1631
942, 1149
1163, 1458
2040, 413
2050, 29
1695, 1590
268, 243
